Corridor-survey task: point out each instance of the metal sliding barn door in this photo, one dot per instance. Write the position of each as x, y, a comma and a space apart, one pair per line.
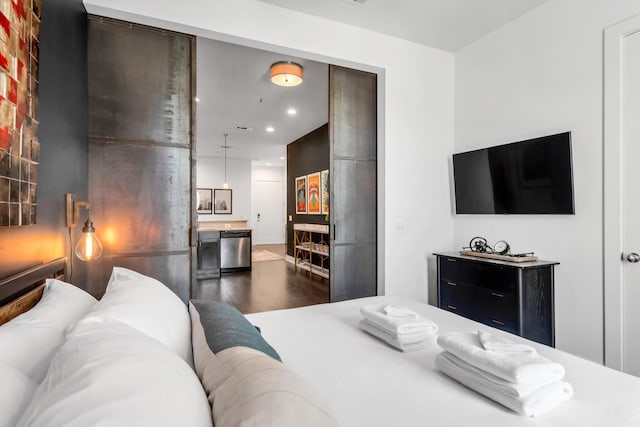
353, 178
140, 149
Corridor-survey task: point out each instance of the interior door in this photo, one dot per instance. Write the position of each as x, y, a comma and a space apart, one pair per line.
631, 204
268, 224
140, 151
353, 183
622, 198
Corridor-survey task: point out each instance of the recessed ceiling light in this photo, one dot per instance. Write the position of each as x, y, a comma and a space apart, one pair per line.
197, 99
292, 111
270, 129
282, 158
268, 164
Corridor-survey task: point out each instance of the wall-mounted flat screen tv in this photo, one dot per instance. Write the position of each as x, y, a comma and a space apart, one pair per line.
526, 177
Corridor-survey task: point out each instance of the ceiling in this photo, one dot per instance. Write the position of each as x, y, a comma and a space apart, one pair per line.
443, 24
234, 90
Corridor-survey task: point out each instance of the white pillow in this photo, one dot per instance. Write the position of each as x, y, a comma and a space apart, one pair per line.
260, 391
148, 306
109, 374
28, 342
15, 394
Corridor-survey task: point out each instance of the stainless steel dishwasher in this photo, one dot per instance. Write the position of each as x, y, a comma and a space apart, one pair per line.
235, 251
208, 254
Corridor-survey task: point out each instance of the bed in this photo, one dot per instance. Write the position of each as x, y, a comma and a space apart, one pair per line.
361, 380
368, 383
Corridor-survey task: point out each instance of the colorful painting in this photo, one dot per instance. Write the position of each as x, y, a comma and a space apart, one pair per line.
301, 195
324, 183
19, 76
313, 193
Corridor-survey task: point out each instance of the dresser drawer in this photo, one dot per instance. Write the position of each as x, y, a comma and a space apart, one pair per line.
496, 309
455, 293
495, 277
455, 307
458, 298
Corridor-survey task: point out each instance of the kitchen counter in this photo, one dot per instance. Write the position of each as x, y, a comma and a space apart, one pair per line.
235, 225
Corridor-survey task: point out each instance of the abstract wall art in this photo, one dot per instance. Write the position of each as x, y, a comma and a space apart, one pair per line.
313, 193
19, 146
301, 195
324, 182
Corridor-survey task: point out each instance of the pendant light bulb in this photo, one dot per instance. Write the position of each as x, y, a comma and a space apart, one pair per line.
89, 246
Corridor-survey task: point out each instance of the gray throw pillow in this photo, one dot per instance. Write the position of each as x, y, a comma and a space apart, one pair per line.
225, 327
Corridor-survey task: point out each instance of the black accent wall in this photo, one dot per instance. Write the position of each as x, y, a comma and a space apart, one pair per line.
306, 155
63, 138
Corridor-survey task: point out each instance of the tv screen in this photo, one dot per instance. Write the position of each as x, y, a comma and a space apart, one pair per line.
527, 177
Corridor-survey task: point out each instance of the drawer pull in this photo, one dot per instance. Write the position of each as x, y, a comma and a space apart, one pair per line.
452, 307
451, 260
497, 322
495, 294
451, 284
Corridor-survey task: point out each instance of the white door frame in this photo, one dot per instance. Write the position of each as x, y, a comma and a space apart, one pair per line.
613, 289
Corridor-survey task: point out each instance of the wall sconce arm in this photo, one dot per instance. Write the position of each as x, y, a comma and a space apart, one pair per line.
73, 209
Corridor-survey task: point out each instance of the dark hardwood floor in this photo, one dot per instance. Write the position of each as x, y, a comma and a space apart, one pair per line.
270, 285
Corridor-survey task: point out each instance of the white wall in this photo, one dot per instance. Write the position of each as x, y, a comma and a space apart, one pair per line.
416, 114
539, 75
210, 174
270, 173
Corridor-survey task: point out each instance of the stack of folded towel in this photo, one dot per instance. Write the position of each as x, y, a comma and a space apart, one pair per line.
510, 373
397, 325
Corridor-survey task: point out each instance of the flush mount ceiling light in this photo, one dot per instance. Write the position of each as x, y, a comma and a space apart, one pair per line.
286, 73
292, 111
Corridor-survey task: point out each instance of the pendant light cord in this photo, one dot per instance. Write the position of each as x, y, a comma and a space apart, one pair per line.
225, 157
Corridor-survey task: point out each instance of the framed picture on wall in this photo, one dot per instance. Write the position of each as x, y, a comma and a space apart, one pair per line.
313, 194
19, 145
324, 184
203, 200
222, 201
301, 195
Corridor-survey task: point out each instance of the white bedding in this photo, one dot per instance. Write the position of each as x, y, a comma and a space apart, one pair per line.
365, 382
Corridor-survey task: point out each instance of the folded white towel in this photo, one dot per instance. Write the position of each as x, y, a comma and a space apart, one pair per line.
396, 325
532, 405
501, 385
410, 338
515, 367
394, 310
491, 342
408, 342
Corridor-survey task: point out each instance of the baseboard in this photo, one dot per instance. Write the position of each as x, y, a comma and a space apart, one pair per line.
289, 259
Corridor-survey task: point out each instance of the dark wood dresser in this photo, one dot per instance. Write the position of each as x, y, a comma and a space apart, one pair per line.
514, 297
